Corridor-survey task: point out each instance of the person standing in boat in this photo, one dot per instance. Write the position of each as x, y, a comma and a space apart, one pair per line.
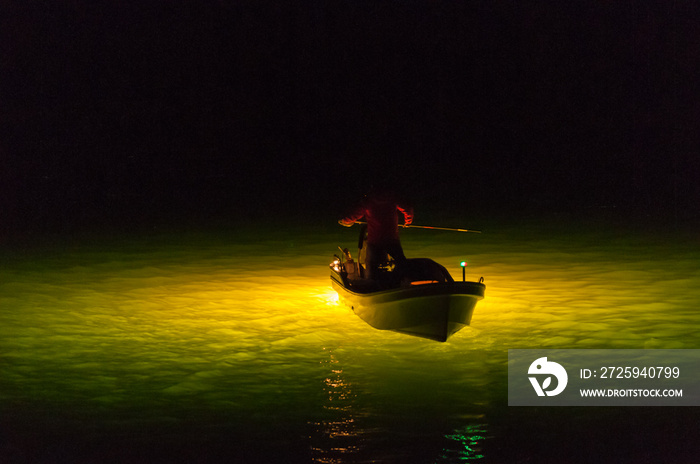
381, 212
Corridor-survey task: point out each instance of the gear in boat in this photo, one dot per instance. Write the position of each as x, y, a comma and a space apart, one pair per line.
416, 271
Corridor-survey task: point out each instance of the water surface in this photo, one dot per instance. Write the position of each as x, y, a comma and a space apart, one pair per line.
230, 344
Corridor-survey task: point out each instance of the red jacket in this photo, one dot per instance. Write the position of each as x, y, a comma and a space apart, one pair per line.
381, 214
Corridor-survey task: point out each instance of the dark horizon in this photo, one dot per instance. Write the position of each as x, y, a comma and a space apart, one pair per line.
133, 114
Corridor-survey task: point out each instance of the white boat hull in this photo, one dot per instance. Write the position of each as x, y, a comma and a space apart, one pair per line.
434, 310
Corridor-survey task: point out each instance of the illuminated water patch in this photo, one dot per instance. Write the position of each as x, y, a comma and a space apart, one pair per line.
242, 344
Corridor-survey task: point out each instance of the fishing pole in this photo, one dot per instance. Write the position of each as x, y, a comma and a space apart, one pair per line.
410, 226
444, 228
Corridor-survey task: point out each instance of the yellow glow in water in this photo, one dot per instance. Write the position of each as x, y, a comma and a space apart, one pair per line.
246, 331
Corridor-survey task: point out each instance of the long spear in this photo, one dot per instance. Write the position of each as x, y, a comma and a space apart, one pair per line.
432, 227
445, 228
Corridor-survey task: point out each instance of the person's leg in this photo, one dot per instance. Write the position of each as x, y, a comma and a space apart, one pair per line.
376, 255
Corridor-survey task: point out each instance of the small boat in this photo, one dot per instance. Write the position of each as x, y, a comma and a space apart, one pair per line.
424, 301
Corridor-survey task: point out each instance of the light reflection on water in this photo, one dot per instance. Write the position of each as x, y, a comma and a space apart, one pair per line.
241, 340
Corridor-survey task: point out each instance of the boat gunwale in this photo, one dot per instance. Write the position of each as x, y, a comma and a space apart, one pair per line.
424, 290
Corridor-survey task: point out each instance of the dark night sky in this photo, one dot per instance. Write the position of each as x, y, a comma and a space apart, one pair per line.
138, 112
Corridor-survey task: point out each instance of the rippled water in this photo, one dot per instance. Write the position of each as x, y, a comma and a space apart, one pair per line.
232, 346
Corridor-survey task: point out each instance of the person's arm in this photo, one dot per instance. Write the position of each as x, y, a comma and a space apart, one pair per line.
407, 214
356, 215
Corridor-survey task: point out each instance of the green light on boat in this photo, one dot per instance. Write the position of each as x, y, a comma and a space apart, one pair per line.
463, 263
